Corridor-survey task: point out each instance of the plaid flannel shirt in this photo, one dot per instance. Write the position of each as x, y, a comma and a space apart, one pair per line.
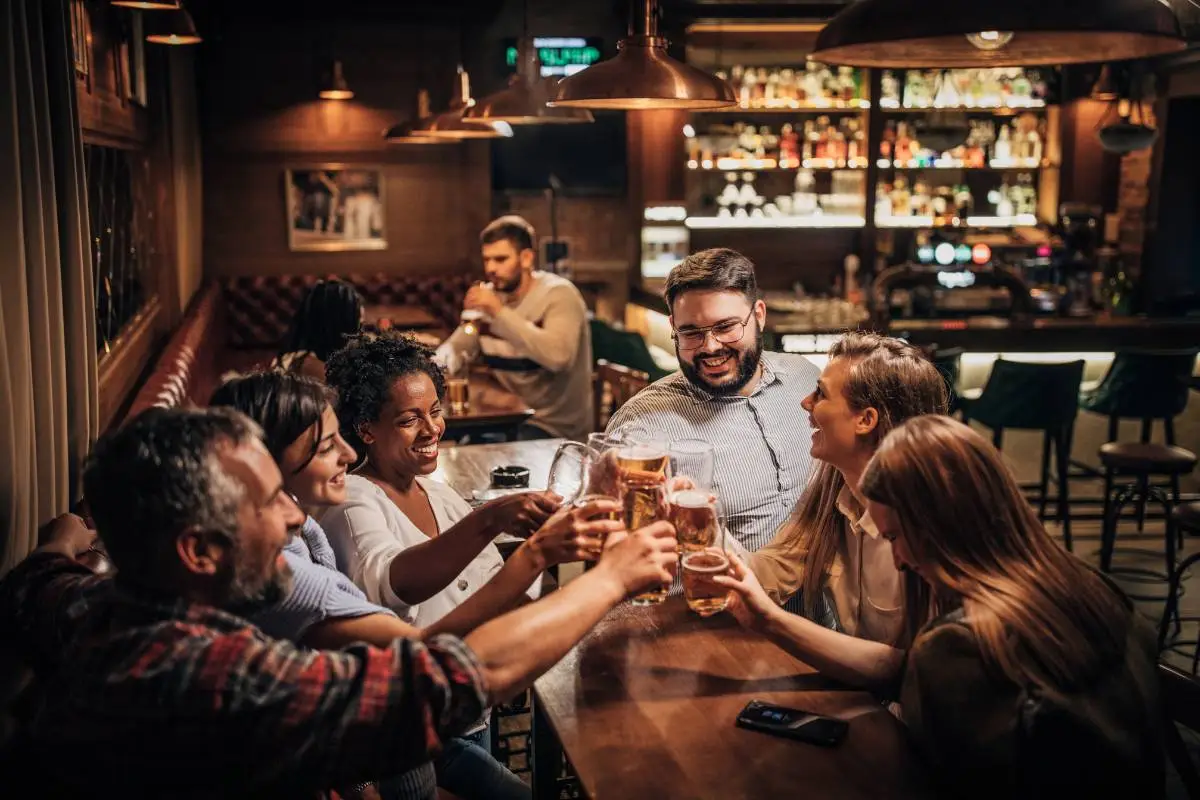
143, 694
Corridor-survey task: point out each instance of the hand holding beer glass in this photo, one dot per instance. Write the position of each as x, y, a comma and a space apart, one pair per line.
643, 476
583, 474
695, 513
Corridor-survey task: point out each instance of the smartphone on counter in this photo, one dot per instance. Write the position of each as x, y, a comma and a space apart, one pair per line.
792, 723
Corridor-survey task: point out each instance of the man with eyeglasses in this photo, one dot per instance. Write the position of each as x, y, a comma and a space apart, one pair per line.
730, 393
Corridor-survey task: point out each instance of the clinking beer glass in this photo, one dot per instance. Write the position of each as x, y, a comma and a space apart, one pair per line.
694, 510
643, 471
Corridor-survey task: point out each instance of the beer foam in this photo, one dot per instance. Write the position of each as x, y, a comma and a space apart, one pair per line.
713, 569
690, 498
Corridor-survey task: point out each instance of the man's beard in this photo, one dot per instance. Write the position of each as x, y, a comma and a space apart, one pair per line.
249, 593
509, 286
747, 366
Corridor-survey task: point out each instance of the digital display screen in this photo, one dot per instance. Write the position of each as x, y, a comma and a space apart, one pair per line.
561, 55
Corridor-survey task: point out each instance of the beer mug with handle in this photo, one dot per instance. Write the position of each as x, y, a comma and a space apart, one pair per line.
581, 470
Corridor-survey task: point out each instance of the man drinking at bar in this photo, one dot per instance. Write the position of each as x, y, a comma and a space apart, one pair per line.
730, 393
533, 335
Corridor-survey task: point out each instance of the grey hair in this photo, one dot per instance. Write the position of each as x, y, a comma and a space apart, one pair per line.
159, 475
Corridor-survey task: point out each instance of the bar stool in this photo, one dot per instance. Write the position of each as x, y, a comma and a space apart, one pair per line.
1148, 385
1037, 397
1187, 519
1141, 461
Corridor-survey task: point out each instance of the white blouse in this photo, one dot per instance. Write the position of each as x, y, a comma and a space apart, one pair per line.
368, 531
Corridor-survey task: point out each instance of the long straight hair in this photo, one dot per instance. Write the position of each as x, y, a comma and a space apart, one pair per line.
1041, 616
896, 380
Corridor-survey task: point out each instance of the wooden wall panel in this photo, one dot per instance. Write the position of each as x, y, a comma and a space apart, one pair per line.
106, 115
260, 115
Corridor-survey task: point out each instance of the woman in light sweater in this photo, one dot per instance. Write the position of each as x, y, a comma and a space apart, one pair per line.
410, 542
830, 551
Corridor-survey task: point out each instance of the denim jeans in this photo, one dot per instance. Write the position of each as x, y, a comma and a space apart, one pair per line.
467, 769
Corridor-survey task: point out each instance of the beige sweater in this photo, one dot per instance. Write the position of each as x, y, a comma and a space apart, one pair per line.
866, 587
539, 348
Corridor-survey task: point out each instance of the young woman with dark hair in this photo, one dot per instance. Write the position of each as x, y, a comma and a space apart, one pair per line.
330, 312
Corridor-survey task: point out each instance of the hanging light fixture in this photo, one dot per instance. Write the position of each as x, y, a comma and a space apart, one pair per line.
173, 27
148, 5
523, 101
953, 33
450, 124
1105, 87
643, 76
407, 132
336, 88
1125, 127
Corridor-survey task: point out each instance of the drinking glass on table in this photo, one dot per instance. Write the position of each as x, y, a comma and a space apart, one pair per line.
458, 387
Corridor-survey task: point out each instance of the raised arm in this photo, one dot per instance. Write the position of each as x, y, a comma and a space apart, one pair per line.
859, 662
518, 647
555, 342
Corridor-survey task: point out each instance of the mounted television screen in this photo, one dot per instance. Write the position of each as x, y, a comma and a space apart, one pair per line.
586, 158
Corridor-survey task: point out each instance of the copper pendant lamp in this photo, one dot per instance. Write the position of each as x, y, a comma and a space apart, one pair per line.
336, 87
173, 27
407, 132
450, 124
643, 76
523, 101
954, 33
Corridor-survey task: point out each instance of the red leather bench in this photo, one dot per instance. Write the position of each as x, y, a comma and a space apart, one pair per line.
241, 323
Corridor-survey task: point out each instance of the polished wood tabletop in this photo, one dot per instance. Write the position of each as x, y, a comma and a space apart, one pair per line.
644, 707
492, 409
467, 469
401, 317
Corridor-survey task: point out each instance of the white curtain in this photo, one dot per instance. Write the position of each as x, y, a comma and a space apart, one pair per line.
48, 387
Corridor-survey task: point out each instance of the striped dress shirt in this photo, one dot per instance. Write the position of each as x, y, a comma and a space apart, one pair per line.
761, 442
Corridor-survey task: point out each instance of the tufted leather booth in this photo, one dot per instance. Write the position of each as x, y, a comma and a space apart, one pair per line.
189, 367
259, 309
242, 321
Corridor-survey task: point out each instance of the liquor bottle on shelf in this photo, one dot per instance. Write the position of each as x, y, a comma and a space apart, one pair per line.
901, 198
1002, 151
789, 147
1005, 208
889, 89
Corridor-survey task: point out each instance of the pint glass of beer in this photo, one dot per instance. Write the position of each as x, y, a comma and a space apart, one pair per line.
696, 519
699, 568
585, 500
643, 469
458, 395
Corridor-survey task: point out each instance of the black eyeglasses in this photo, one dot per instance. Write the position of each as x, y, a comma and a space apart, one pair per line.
726, 333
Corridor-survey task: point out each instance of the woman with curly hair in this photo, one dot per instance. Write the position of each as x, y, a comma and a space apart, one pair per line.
410, 542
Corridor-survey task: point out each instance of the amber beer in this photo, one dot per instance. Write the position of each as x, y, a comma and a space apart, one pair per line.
699, 568
695, 520
643, 470
458, 393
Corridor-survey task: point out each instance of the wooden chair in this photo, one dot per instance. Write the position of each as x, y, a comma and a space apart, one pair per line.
614, 385
1181, 704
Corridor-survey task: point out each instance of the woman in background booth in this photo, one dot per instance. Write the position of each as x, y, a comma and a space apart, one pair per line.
331, 312
1032, 676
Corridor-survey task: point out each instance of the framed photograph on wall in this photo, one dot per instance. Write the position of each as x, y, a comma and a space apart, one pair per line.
335, 207
81, 38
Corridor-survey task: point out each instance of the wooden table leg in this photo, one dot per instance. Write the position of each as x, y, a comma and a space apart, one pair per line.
547, 755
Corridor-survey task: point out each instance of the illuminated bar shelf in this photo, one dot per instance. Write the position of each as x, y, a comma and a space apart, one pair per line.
760, 223
1018, 221
770, 165
823, 107
953, 164
1019, 105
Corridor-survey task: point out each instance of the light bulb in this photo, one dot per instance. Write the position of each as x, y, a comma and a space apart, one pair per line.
990, 40
689, 131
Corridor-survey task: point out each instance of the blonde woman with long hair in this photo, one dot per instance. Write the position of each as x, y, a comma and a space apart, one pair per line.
1032, 675
830, 551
